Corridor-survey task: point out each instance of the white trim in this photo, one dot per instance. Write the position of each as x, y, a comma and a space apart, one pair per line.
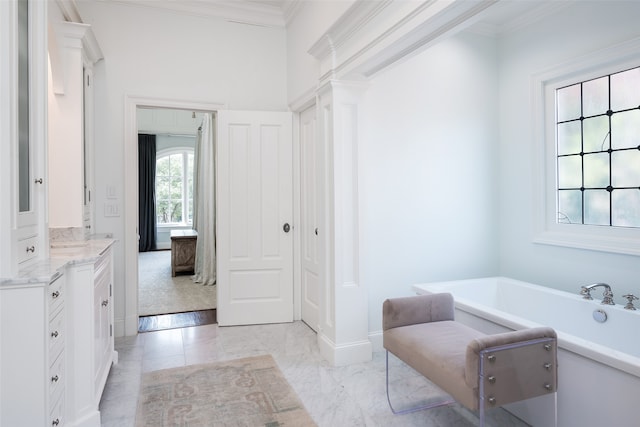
263, 14
300, 104
290, 9
354, 47
130, 240
344, 354
297, 219
306, 100
184, 153
546, 230
376, 340
69, 10
8, 134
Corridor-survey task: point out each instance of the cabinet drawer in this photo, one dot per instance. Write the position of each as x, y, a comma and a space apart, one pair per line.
56, 336
56, 295
57, 414
27, 249
57, 378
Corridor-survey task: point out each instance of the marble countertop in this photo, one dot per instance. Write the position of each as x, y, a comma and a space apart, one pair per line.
61, 255
82, 251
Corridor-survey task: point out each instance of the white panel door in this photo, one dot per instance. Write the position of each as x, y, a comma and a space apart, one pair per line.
255, 212
310, 271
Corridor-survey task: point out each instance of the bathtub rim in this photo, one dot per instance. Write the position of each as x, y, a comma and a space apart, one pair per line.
579, 346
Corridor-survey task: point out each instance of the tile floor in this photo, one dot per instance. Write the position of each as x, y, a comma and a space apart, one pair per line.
346, 396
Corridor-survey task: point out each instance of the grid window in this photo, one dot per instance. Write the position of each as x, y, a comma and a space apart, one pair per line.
174, 188
598, 151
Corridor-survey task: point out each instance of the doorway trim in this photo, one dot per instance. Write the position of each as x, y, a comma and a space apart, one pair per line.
303, 102
129, 324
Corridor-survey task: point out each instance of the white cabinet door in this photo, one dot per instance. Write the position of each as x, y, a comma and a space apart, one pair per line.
309, 230
255, 212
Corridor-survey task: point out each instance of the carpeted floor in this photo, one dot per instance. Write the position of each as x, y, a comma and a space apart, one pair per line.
243, 392
159, 293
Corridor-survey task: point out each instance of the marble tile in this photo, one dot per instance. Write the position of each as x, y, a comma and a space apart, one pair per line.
161, 344
167, 362
350, 396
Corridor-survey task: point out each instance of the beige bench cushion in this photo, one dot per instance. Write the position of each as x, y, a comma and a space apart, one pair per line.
437, 350
417, 309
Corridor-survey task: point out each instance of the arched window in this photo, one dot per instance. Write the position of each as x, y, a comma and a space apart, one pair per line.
174, 187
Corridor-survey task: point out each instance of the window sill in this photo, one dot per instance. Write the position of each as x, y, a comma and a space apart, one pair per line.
594, 242
176, 225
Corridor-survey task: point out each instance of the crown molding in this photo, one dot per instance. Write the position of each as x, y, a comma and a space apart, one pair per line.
533, 15
449, 20
304, 100
519, 16
290, 9
263, 14
355, 47
347, 26
76, 35
69, 10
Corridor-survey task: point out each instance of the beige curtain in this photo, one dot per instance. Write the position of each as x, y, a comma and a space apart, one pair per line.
204, 200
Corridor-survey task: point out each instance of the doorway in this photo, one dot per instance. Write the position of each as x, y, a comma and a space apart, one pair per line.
236, 130
172, 292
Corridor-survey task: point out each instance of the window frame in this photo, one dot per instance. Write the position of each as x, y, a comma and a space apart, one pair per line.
623, 240
185, 200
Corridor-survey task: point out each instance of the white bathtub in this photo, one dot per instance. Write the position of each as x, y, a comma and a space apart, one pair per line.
598, 363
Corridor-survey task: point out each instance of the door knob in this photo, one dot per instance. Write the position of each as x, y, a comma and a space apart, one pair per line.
286, 227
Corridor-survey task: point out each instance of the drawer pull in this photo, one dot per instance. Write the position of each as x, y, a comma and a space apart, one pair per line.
31, 249
55, 422
55, 295
54, 379
54, 334
105, 303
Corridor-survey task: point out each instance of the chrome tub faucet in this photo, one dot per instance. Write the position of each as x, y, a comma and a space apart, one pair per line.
607, 296
630, 298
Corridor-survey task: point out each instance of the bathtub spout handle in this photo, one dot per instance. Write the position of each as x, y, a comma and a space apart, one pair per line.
608, 297
630, 298
585, 292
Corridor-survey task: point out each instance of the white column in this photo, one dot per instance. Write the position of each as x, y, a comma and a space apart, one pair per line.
343, 332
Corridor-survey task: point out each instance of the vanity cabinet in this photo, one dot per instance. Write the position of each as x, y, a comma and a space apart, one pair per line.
33, 357
90, 283
23, 129
71, 130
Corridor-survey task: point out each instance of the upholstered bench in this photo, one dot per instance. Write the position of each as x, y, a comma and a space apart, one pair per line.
479, 371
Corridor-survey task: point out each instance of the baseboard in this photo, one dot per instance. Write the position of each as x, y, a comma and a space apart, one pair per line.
376, 341
90, 419
344, 354
126, 327
118, 328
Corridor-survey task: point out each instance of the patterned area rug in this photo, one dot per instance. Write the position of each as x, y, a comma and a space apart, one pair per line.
159, 293
247, 392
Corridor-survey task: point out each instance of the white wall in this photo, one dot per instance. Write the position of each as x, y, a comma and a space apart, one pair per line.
427, 182
154, 54
570, 33
311, 21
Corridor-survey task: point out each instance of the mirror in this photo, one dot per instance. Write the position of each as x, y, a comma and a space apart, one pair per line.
24, 181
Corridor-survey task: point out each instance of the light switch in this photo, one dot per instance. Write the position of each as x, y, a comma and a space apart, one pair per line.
111, 209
